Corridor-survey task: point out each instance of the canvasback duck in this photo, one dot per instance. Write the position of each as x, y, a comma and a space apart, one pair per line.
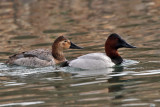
43, 57
110, 58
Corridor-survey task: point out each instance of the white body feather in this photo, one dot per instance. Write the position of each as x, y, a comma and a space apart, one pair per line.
92, 61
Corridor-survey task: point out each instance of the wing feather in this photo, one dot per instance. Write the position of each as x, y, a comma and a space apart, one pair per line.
41, 56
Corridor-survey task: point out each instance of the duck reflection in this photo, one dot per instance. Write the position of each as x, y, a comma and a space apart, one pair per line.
77, 86
118, 87
71, 86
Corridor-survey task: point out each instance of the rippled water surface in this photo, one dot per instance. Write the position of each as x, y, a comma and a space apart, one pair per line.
31, 24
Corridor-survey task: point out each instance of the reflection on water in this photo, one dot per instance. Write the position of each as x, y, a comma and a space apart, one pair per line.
31, 24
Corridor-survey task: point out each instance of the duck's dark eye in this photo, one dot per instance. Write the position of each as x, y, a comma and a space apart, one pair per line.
65, 41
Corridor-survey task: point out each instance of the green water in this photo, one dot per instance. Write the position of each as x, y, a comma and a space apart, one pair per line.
31, 24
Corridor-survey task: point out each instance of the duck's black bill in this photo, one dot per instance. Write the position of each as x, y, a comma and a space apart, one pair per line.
73, 46
126, 45
122, 43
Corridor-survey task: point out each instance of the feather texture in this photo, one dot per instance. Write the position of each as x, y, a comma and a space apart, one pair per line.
92, 61
33, 58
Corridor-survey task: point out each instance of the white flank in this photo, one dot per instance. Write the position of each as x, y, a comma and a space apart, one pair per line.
92, 61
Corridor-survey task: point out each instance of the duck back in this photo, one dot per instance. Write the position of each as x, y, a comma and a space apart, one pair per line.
33, 58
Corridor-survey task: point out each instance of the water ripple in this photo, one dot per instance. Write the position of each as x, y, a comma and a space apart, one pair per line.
22, 103
87, 83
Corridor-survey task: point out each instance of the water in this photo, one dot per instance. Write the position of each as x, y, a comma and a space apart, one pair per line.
31, 24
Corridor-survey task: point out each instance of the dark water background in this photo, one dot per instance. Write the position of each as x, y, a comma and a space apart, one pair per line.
31, 24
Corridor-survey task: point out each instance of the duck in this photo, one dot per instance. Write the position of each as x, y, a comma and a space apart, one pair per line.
43, 57
110, 58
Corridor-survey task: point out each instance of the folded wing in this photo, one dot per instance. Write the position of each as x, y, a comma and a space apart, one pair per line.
35, 58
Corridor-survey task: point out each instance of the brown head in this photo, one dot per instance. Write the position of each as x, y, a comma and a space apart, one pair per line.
60, 44
113, 43
63, 43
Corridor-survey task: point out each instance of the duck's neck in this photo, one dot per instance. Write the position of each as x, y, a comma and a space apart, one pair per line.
57, 53
114, 55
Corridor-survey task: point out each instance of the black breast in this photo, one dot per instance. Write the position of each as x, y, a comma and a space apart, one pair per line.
117, 60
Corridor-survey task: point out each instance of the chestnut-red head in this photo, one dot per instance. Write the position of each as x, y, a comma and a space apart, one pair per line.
113, 43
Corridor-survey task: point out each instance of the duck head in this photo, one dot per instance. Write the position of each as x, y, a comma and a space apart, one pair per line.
63, 43
113, 43
60, 44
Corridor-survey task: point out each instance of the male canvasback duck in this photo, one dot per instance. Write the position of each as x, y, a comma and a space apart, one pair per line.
102, 60
43, 57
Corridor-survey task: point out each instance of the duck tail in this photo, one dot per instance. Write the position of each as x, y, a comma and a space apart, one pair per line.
11, 59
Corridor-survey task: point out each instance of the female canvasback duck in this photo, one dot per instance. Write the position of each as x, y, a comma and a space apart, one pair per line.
101, 60
43, 57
